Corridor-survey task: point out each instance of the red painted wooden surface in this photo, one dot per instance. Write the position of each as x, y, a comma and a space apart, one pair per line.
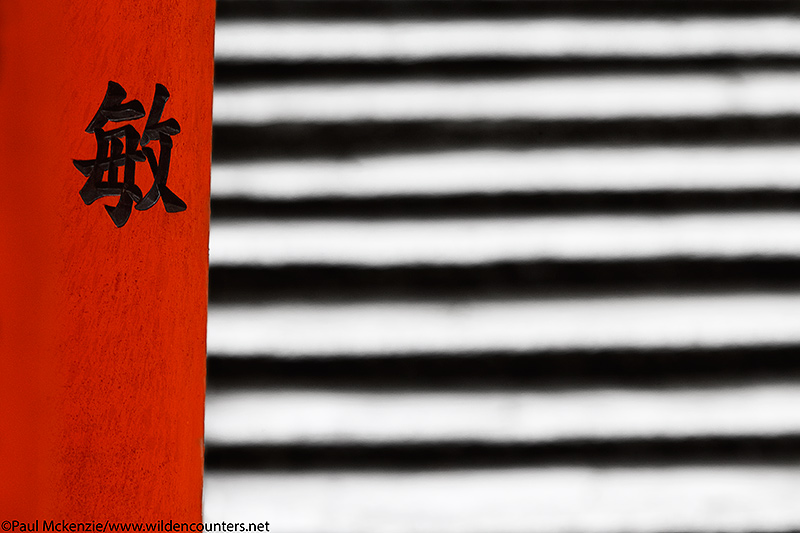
102, 329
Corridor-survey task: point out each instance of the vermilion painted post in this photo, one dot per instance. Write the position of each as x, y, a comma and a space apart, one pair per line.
102, 328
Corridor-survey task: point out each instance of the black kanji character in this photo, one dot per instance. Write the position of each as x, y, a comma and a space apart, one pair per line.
162, 132
113, 109
128, 153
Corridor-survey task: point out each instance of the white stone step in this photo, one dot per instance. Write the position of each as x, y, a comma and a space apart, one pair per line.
347, 417
519, 171
447, 327
534, 500
761, 93
538, 38
471, 241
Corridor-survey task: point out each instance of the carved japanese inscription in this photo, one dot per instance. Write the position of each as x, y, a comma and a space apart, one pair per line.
122, 148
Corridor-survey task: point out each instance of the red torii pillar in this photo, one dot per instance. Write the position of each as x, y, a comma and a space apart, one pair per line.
102, 328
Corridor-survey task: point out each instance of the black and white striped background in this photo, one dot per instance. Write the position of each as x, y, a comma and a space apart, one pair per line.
499, 266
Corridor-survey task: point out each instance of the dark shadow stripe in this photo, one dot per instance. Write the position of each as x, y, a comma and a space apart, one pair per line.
290, 140
437, 9
781, 450
669, 368
508, 204
228, 72
316, 283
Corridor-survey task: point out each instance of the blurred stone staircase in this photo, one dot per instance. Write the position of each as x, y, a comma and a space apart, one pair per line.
496, 266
